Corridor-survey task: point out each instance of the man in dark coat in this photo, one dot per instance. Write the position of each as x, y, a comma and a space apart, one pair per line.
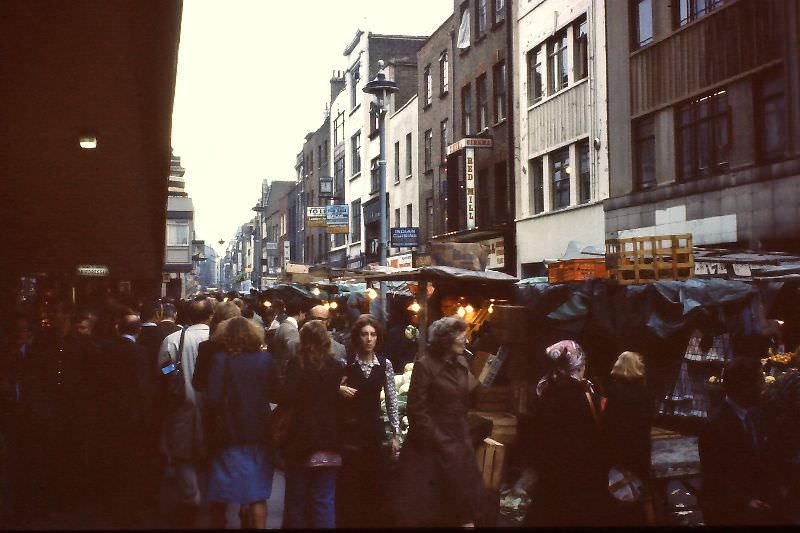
739, 483
123, 374
284, 345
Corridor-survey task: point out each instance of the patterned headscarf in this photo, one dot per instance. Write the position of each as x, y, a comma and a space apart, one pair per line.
567, 358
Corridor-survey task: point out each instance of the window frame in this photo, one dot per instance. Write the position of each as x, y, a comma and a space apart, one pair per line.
409, 155
374, 174
761, 98
355, 221
558, 62
443, 140
580, 49
355, 154
644, 131
397, 162
537, 58
636, 21
498, 11
428, 150
557, 189
584, 180
355, 77
536, 170
500, 91
698, 121
184, 226
338, 129
428, 85
444, 74
482, 89
481, 18
466, 109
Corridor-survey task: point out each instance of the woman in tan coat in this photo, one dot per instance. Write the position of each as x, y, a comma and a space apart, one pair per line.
440, 482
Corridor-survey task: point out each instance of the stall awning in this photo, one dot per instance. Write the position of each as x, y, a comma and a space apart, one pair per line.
445, 273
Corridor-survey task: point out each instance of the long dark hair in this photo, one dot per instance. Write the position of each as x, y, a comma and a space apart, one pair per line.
355, 332
315, 344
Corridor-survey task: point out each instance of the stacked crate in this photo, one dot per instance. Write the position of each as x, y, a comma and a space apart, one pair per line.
640, 260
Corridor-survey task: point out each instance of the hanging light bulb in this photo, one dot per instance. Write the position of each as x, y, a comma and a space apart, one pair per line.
315, 291
372, 293
491, 308
469, 309
334, 305
461, 311
326, 305
415, 307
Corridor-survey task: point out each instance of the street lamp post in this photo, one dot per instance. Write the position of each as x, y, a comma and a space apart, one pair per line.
381, 88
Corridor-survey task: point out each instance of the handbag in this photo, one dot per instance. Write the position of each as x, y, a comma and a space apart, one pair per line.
324, 459
279, 426
174, 387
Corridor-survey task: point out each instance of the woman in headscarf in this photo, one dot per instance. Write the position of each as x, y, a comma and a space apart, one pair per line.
567, 448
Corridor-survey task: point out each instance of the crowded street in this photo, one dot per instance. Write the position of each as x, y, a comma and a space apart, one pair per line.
355, 264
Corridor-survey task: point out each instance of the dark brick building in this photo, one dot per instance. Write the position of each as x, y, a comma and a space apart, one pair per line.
478, 104
316, 164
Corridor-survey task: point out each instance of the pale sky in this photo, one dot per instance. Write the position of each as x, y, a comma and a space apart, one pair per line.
253, 80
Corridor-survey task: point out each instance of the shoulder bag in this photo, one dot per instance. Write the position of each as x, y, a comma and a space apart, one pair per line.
174, 386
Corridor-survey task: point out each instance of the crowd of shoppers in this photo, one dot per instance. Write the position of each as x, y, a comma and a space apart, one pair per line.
85, 417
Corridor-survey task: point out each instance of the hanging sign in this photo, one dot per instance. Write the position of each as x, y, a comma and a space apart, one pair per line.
337, 218
469, 160
404, 237
98, 271
315, 217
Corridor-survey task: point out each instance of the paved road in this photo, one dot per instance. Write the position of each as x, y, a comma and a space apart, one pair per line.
86, 517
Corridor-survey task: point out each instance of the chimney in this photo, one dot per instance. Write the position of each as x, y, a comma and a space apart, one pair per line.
338, 84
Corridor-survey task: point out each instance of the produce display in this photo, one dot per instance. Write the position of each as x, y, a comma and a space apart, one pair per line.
402, 383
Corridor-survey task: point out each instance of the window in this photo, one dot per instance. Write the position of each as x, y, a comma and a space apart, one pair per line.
466, 110
355, 76
338, 129
444, 73
689, 10
584, 172
644, 152
397, 218
559, 171
428, 150
483, 102
355, 226
375, 175
319, 157
338, 177
499, 11
177, 234
397, 162
311, 161
535, 75
559, 66
643, 23
581, 49
428, 86
355, 147
501, 211
537, 184
443, 141
429, 217
499, 91
409, 155
409, 215
703, 135
770, 115
480, 18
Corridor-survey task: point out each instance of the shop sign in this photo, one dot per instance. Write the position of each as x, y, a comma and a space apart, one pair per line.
337, 218
270, 245
404, 237
95, 271
470, 175
468, 143
496, 257
287, 248
402, 261
315, 217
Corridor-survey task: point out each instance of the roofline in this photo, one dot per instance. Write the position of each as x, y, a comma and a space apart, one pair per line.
407, 37
442, 25
352, 46
405, 105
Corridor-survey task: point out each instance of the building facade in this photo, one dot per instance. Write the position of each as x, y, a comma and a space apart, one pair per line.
704, 127
563, 140
480, 158
315, 164
402, 175
178, 262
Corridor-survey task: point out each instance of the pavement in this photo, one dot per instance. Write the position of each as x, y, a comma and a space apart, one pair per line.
156, 517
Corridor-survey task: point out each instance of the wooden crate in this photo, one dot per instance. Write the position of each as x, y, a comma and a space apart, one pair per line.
640, 260
577, 270
510, 323
504, 426
491, 456
493, 399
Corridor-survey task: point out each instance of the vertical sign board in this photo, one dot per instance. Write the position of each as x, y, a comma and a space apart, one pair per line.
470, 178
287, 248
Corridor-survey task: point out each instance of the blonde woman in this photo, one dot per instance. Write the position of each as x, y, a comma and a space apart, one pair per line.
628, 417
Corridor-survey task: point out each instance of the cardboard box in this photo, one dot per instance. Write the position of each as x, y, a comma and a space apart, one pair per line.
491, 456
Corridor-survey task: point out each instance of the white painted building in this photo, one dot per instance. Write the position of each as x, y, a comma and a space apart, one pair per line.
562, 90
402, 172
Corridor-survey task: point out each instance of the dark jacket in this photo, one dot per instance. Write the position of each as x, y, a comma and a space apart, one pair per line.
735, 470
202, 366
567, 455
440, 483
251, 386
313, 395
627, 422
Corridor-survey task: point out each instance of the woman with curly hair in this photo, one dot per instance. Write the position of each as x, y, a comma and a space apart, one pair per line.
361, 491
313, 441
241, 384
440, 482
